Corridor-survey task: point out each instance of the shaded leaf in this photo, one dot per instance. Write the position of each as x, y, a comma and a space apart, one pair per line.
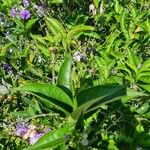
48, 94
64, 76
90, 99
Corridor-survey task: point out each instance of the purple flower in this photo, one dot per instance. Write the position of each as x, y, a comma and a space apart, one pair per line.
34, 139
13, 12
25, 14
6, 67
21, 129
25, 3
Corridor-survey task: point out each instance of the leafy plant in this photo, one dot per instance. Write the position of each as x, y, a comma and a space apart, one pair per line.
83, 102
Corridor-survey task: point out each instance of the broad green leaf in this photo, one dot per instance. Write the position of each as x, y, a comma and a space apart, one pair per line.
133, 10
35, 72
123, 25
96, 3
43, 49
111, 39
143, 108
144, 77
146, 115
147, 23
55, 26
145, 66
39, 39
91, 35
118, 7
91, 98
48, 94
49, 38
64, 76
145, 87
133, 61
78, 30
50, 145
3, 50
8, 3
30, 23
105, 65
25, 51
124, 68
131, 95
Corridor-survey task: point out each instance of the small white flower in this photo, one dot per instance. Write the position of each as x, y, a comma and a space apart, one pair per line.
77, 56
92, 9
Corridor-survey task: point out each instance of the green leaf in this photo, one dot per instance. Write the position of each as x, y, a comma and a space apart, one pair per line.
145, 87
30, 23
39, 39
117, 7
143, 108
18, 23
133, 61
146, 115
145, 66
48, 94
43, 49
57, 29
55, 26
121, 66
24, 114
54, 138
90, 99
64, 76
147, 23
133, 10
96, 3
57, 1
123, 25
97, 92
131, 94
3, 50
92, 35
144, 77
78, 30
1, 147
110, 40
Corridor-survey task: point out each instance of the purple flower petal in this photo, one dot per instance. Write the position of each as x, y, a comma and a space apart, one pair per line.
6, 67
34, 139
25, 14
21, 129
25, 3
13, 12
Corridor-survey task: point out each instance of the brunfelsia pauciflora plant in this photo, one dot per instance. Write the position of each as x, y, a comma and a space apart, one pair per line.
63, 97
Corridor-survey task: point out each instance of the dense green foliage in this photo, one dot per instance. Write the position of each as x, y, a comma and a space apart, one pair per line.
80, 68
